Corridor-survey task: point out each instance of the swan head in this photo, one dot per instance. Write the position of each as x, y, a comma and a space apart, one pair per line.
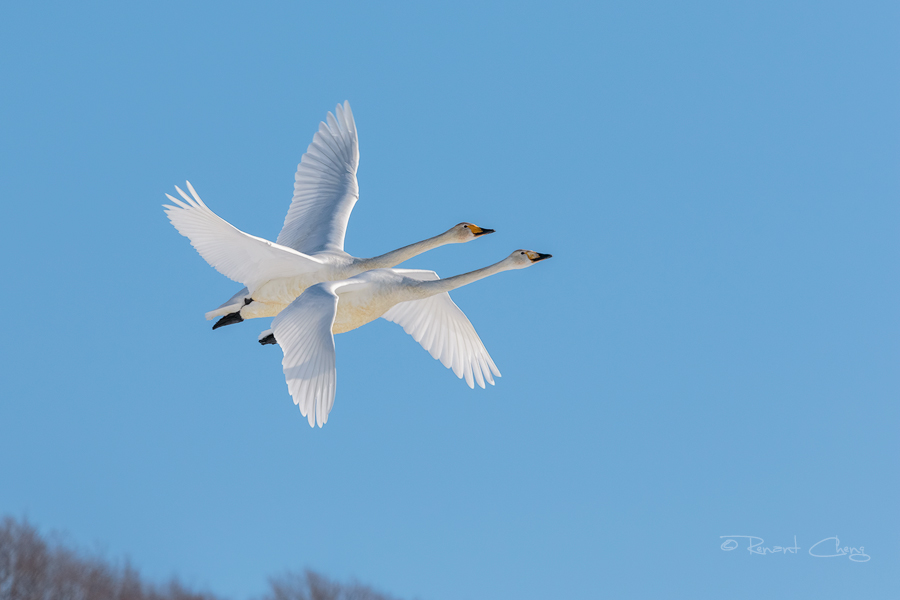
525, 258
466, 232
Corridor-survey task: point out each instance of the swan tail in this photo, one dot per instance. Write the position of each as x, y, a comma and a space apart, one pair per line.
233, 304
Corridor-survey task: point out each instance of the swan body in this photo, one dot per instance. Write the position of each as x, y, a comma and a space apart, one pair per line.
416, 300
310, 247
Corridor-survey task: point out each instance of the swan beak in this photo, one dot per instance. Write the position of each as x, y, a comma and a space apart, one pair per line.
477, 231
540, 257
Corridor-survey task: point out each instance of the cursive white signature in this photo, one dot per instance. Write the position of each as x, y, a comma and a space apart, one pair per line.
756, 545
819, 550
855, 554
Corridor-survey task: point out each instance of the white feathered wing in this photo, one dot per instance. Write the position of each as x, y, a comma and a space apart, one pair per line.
303, 331
237, 255
325, 187
439, 325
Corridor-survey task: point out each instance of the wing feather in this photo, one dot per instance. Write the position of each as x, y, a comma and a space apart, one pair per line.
443, 330
325, 187
237, 255
303, 330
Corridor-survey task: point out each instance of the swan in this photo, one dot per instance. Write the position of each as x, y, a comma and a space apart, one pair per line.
310, 247
416, 300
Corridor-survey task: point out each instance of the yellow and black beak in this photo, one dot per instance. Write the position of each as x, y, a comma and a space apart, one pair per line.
477, 231
537, 256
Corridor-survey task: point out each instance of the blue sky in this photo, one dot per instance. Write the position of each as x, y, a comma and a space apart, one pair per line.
713, 350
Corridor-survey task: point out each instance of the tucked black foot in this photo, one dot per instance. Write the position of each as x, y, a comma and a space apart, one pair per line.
269, 339
229, 319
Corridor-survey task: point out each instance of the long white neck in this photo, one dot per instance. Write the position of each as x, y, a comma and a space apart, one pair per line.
395, 257
424, 289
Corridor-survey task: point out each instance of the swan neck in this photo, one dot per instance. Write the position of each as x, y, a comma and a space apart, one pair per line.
395, 257
430, 288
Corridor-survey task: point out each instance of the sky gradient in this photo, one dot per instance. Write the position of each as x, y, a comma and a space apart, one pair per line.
712, 350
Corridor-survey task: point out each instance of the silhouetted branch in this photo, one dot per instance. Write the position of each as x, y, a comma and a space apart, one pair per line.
33, 569
312, 586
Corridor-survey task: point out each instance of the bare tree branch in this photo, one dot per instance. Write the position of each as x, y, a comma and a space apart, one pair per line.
33, 569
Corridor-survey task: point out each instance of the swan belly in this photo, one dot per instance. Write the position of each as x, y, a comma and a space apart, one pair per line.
274, 296
258, 310
356, 312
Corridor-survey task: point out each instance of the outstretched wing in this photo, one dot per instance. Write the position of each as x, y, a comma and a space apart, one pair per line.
237, 255
442, 329
325, 187
303, 330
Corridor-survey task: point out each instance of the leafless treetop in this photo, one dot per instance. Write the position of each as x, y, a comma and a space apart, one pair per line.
31, 568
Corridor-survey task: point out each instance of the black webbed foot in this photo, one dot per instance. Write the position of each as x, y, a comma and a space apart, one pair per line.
229, 319
269, 339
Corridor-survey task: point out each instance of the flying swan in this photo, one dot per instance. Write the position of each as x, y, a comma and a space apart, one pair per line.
416, 300
310, 247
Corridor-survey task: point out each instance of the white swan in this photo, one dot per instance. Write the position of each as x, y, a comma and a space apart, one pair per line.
416, 300
310, 247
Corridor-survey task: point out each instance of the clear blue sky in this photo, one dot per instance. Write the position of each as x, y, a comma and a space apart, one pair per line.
713, 350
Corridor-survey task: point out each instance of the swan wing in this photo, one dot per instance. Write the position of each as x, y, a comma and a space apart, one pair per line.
325, 187
303, 330
237, 255
443, 330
